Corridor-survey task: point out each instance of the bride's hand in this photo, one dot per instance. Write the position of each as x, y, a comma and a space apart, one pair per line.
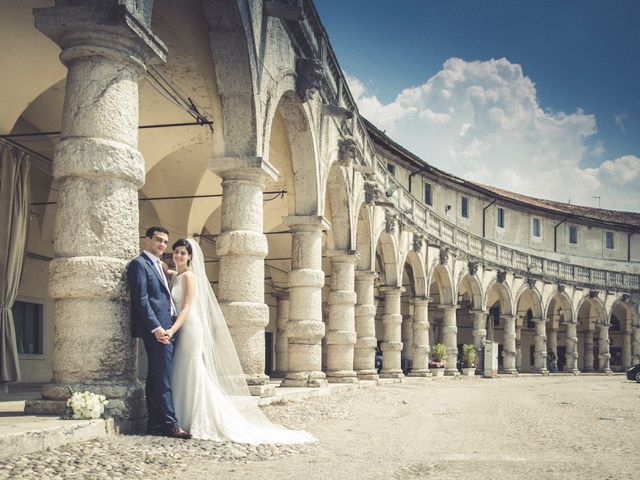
169, 333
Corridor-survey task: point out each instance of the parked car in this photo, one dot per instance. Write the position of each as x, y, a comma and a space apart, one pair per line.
633, 373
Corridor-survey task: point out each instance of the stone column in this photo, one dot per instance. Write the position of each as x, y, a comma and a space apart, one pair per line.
421, 347
509, 348
626, 350
406, 334
540, 349
518, 347
341, 333
450, 338
571, 356
588, 350
242, 247
635, 346
282, 317
479, 319
99, 169
605, 353
364, 361
553, 340
305, 330
392, 340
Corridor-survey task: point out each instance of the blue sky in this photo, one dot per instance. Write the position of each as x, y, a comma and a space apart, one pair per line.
580, 57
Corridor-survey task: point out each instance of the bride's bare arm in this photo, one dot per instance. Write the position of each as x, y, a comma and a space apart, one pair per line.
167, 271
189, 286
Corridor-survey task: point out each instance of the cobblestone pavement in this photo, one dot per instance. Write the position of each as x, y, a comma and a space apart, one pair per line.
527, 427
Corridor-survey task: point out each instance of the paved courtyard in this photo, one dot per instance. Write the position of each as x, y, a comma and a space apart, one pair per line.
527, 427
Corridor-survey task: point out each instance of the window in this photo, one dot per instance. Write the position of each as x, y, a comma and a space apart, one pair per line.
428, 194
535, 227
500, 218
573, 235
392, 169
529, 318
609, 240
465, 207
494, 312
27, 318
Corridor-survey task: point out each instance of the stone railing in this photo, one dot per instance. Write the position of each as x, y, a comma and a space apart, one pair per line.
441, 232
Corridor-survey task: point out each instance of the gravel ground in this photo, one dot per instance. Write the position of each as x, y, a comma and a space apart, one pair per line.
526, 427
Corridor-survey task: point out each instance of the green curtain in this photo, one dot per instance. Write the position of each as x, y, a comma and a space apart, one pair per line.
14, 218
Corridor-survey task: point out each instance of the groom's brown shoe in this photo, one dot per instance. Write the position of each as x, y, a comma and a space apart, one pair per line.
175, 431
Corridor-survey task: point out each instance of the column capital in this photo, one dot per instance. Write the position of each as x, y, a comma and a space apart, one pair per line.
391, 290
306, 222
447, 307
240, 168
479, 312
350, 256
420, 301
366, 275
79, 29
281, 295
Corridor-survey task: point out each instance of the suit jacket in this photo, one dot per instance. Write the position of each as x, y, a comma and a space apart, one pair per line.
150, 298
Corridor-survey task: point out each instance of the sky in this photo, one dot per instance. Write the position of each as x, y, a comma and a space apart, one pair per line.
537, 97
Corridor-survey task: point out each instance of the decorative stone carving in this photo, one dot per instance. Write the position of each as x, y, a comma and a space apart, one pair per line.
501, 276
561, 288
348, 151
531, 282
418, 242
593, 293
390, 222
625, 297
371, 193
444, 255
473, 267
309, 77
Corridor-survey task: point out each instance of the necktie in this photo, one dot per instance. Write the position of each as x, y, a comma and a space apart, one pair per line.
164, 280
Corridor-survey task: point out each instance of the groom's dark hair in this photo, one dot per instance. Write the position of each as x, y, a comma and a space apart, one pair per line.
152, 230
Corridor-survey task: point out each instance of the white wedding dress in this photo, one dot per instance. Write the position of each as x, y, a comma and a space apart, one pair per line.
210, 395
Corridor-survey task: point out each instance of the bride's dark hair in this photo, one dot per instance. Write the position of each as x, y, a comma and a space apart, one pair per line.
181, 242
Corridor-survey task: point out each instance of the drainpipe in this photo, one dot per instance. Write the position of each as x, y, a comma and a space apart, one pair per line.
415, 173
555, 234
629, 246
484, 211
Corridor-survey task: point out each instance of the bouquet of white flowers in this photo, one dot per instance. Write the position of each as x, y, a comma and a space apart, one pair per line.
85, 406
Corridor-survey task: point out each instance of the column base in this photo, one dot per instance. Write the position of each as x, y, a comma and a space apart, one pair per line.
368, 375
262, 390
541, 371
608, 372
305, 380
509, 371
126, 405
574, 371
257, 380
342, 377
420, 373
392, 374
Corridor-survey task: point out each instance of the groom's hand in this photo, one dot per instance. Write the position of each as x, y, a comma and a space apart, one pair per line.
161, 336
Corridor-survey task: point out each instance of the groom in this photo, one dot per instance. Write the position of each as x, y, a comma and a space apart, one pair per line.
152, 313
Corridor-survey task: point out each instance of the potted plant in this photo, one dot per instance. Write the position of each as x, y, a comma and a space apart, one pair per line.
468, 360
438, 362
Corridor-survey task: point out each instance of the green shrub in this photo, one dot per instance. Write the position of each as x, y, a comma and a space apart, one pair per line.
468, 356
438, 353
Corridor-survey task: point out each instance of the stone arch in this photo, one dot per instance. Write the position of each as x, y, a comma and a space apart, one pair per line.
600, 317
364, 234
231, 40
386, 259
418, 277
441, 279
338, 204
469, 289
299, 163
559, 300
533, 299
501, 292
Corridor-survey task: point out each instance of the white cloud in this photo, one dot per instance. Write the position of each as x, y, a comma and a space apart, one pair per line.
619, 120
482, 121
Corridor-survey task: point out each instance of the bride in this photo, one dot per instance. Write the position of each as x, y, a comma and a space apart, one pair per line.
210, 394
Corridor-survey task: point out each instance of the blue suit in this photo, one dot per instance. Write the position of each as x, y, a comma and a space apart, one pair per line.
150, 309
